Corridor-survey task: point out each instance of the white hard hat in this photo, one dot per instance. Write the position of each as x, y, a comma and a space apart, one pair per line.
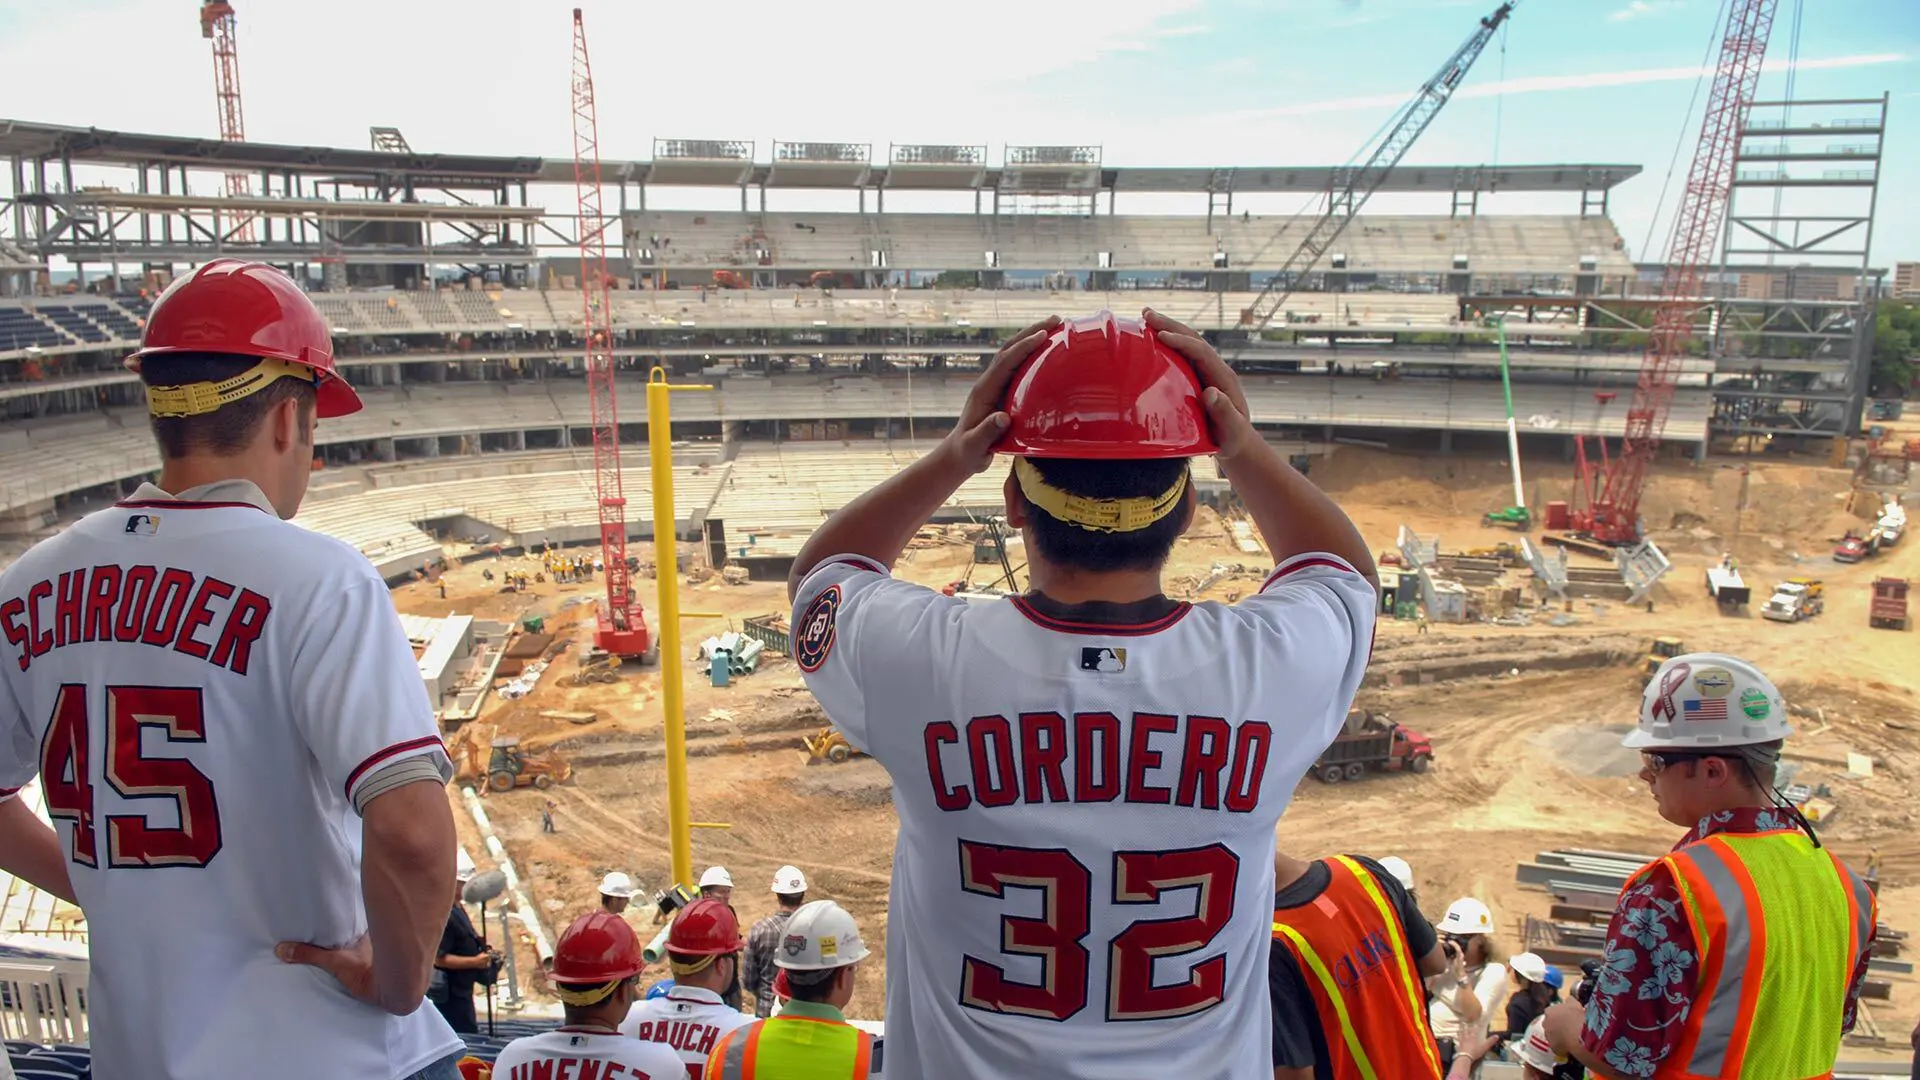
716, 875
462, 865
1466, 916
819, 936
617, 884
1535, 1051
1701, 701
789, 881
1530, 966
1402, 873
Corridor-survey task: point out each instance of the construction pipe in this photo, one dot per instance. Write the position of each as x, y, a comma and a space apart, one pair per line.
657, 948
523, 908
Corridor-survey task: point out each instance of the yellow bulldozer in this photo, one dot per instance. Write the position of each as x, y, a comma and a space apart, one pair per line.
600, 668
1659, 652
827, 745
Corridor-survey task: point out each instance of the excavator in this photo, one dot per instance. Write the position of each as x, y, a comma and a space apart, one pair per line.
508, 764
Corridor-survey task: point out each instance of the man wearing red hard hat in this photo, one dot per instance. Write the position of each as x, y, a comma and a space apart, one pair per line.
595, 966
237, 746
703, 948
1088, 775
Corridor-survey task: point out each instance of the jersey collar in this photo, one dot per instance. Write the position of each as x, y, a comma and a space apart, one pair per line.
694, 993
217, 494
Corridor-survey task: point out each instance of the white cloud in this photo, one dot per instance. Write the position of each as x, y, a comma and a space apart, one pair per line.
1633, 10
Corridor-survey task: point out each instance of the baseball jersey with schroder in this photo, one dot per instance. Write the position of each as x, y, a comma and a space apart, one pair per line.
201, 687
1083, 879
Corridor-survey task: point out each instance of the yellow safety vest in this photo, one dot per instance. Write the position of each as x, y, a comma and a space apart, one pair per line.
1780, 926
792, 1048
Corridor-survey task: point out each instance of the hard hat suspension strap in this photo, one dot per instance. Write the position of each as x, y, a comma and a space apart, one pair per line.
200, 398
581, 998
1097, 515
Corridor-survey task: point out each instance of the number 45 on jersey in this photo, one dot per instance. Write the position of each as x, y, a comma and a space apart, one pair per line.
66, 776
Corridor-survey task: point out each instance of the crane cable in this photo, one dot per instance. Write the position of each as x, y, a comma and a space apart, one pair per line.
1681, 142
1500, 99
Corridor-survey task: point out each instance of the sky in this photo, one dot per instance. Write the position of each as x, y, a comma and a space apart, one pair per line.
1152, 82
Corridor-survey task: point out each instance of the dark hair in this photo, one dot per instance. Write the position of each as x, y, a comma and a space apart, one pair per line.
790, 901
1066, 544
811, 985
227, 430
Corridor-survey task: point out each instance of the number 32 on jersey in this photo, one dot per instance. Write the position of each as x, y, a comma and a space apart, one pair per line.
66, 776
1139, 877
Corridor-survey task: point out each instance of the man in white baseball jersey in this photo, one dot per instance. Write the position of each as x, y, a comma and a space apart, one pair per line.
230, 730
703, 948
1088, 775
596, 964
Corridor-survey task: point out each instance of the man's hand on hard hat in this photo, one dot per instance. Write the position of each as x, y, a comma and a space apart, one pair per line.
982, 421
879, 524
1225, 400
1293, 516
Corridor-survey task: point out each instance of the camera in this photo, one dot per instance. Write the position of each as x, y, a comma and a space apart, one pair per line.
1589, 971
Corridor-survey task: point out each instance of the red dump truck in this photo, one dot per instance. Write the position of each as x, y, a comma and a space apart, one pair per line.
1889, 606
1373, 741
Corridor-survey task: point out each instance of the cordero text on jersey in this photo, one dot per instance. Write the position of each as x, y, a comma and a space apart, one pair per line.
1200, 762
203, 617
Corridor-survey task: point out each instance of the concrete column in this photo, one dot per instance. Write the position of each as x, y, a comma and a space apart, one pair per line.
1700, 452
1446, 440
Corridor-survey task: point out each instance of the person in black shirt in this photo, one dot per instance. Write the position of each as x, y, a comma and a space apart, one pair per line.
1299, 1042
463, 958
1533, 996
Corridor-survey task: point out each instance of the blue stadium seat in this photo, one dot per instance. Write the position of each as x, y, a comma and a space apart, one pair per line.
39, 1068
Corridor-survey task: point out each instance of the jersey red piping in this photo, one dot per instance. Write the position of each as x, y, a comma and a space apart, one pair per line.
857, 561
1302, 564
1065, 626
170, 504
392, 751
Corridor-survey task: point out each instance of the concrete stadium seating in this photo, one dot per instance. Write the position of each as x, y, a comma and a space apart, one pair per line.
40, 460
1374, 243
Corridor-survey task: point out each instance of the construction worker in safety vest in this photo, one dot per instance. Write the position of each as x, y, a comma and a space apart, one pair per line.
811, 1040
1739, 955
1350, 951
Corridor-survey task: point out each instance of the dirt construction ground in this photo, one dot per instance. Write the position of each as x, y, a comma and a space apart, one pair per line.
1524, 719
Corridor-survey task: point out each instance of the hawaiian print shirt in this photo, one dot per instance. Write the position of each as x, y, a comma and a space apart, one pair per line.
1648, 979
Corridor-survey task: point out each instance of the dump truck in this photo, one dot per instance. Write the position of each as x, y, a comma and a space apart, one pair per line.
1795, 599
1661, 650
1724, 584
1889, 605
1372, 740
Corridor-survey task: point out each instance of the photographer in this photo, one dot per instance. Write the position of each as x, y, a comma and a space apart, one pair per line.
464, 962
1467, 993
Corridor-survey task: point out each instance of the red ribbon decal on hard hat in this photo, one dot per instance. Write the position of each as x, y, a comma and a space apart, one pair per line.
1670, 684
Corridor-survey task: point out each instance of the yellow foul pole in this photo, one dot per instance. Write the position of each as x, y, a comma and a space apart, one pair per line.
666, 554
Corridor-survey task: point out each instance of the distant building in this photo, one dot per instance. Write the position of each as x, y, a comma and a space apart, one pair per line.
1798, 284
1906, 280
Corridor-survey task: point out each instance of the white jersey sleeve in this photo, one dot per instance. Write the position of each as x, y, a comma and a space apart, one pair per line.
850, 617
19, 744
358, 697
1315, 616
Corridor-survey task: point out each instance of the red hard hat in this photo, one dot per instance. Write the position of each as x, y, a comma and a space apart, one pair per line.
598, 948
706, 927
1105, 387
247, 309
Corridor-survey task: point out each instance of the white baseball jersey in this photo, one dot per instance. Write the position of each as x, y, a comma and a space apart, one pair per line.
688, 1019
201, 686
586, 1054
1083, 880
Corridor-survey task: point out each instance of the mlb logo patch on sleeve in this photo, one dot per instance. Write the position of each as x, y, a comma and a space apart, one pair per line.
1102, 658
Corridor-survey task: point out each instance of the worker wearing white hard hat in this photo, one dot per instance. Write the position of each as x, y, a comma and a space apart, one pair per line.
820, 952
1535, 1054
1532, 992
1465, 997
616, 891
717, 883
1788, 928
1402, 873
765, 940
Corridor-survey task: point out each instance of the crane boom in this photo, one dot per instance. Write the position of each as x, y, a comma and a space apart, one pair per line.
219, 25
622, 629
1613, 512
1361, 183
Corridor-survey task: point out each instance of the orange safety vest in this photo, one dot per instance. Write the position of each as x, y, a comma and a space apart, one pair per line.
1366, 988
1779, 926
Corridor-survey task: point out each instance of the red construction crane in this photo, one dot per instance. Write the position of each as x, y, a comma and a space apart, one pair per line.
623, 627
1607, 495
218, 25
